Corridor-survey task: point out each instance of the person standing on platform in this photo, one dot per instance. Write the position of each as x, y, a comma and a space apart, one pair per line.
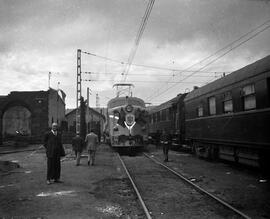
54, 150
165, 141
77, 146
91, 144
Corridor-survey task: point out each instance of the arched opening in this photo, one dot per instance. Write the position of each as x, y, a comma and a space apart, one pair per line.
16, 121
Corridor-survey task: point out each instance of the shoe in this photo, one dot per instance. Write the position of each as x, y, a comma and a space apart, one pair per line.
58, 181
49, 182
77, 164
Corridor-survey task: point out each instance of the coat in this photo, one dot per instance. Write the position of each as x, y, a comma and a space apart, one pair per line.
91, 141
53, 145
77, 144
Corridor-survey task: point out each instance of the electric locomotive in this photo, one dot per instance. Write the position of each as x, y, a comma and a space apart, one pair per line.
127, 119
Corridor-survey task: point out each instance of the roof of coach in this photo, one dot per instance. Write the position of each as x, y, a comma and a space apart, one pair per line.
122, 101
260, 66
168, 103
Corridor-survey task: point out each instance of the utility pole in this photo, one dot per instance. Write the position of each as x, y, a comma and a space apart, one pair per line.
87, 113
78, 90
57, 101
49, 79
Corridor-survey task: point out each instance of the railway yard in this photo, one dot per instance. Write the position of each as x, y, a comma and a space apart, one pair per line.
105, 191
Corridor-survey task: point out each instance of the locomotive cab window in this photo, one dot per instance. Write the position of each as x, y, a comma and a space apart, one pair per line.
212, 105
227, 103
249, 97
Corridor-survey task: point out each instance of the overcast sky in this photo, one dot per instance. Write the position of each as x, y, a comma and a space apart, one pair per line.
38, 37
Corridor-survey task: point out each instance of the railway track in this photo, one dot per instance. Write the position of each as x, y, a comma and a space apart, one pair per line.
165, 193
19, 151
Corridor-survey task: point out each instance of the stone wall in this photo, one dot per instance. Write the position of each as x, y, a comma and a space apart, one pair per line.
37, 110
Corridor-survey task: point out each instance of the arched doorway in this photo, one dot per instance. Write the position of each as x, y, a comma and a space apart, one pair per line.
16, 120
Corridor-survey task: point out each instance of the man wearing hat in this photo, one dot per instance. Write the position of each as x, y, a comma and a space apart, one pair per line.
54, 150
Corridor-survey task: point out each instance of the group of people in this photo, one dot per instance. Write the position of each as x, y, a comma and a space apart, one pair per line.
55, 150
91, 141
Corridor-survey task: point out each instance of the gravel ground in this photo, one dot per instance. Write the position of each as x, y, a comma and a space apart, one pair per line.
167, 196
100, 191
243, 188
103, 191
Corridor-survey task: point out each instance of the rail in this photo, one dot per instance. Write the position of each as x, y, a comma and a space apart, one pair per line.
146, 211
200, 189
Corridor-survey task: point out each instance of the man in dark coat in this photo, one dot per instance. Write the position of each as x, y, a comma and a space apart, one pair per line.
54, 150
165, 140
77, 146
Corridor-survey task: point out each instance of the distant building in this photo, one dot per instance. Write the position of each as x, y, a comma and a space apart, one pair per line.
30, 113
94, 120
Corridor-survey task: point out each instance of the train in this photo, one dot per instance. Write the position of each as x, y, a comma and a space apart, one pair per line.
127, 119
227, 119
168, 116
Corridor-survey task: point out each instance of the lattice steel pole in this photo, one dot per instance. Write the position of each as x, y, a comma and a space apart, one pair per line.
79, 90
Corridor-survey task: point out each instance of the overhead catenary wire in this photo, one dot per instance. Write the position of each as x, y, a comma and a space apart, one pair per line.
155, 94
172, 82
149, 66
138, 38
167, 69
179, 70
158, 75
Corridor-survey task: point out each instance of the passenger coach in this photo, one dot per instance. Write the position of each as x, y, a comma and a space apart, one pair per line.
168, 116
230, 117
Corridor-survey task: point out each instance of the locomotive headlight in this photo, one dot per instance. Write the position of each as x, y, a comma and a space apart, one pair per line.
129, 108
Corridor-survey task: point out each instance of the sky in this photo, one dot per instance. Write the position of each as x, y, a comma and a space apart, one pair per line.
38, 37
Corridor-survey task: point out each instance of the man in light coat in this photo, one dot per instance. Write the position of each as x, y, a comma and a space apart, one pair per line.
91, 144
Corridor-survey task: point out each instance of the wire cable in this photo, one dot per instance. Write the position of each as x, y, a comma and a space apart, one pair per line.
138, 38
220, 56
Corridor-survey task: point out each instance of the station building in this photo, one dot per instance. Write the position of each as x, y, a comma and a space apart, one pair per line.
29, 114
95, 120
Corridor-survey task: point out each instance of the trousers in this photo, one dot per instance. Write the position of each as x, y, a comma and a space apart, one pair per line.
53, 168
78, 157
91, 156
165, 151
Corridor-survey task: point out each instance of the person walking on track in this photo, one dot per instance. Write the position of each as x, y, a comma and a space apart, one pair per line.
54, 150
77, 146
91, 144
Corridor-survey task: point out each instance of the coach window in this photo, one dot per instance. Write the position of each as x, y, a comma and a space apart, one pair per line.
168, 114
158, 116
227, 103
249, 97
163, 115
200, 111
212, 105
